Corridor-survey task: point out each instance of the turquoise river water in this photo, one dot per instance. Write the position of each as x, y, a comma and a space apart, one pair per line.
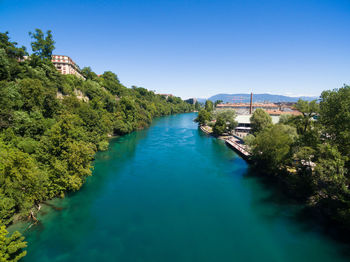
171, 193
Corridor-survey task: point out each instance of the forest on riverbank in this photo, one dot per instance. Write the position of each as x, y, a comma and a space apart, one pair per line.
308, 153
51, 125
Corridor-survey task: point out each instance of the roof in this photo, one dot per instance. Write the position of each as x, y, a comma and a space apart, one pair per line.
254, 105
278, 112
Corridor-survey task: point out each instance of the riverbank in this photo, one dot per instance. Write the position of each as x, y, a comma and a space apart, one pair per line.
44, 206
291, 185
233, 142
168, 193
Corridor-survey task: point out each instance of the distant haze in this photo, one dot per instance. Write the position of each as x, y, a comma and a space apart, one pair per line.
244, 98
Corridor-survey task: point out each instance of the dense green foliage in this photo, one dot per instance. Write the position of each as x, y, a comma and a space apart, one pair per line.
219, 127
335, 118
311, 153
197, 106
209, 106
203, 117
225, 121
217, 102
51, 125
11, 246
222, 121
271, 146
260, 120
42, 46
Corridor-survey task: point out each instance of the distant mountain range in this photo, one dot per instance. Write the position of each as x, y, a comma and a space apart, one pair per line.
245, 98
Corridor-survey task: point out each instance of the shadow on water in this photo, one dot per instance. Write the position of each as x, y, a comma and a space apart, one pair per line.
294, 209
123, 147
120, 147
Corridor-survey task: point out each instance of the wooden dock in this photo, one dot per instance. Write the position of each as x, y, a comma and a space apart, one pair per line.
205, 130
238, 148
233, 142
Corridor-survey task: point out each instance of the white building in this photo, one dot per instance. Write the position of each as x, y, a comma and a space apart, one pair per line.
66, 65
244, 125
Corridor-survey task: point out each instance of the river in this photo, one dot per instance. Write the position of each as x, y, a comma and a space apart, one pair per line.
170, 193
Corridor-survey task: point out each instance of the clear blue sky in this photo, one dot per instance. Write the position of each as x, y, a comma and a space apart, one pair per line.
198, 48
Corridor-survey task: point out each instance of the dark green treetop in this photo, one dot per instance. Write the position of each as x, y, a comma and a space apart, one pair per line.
42, 46
209, 106
260, 120
11, 246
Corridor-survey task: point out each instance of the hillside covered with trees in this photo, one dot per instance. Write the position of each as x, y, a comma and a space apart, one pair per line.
51, 125
310, 153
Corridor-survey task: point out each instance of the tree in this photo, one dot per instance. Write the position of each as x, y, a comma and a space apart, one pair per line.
260, 120
303, 159
10, 100
285, 119
249, 140
220, 126
271, 147
21, 181
308, 110
330, 171
4, 65
66, 151
42, 46
229, 117
203, 117
11, 246
197, 106
11, 48
217, 102
32, 92
290, 130
209, 106
10, 54
88, 73
335, 118
111, 82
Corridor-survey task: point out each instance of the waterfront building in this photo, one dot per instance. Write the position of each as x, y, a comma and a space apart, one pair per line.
244, 126
66, 66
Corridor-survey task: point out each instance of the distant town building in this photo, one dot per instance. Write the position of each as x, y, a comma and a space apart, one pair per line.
191, 101
244, 126
166, 95
273, 109
286, 112
66, 65
245, 108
